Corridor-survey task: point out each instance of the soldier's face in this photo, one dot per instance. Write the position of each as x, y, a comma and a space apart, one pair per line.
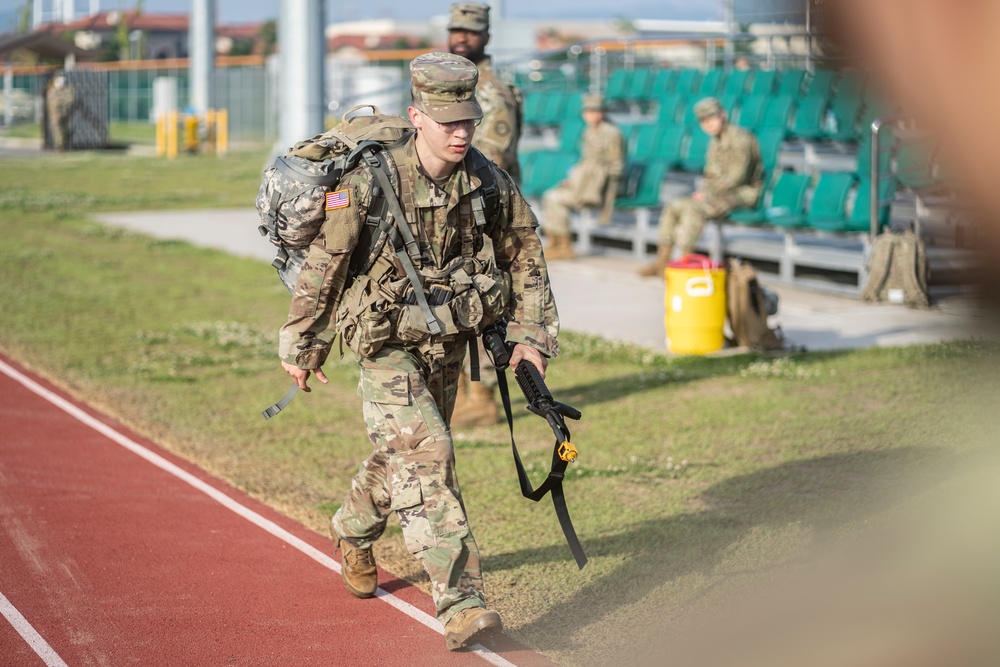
449, 142
593, 117
468, 44
713, 125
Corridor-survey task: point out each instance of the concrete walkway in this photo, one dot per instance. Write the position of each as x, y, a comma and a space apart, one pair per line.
601, 295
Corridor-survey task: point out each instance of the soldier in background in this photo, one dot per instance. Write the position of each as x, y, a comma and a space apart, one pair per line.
59, 102
498, 134
734, 178
409, 374
497, 137
592, 182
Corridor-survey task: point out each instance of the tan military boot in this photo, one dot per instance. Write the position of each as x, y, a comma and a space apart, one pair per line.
471, 626
658, 265
475, 406
559, 247
357, 569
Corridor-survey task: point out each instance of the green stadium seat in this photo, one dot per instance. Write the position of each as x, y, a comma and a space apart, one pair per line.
687, 82
570, 133
712, 84
617, 85
751, 111
639, 84
541, 170
737, 82
693, 153
644, 143
572, 107
663, 82
820, 84
828, 206
770, 140
648, 191
860, 217
788, 200
845, 111
669, 148
791, 82
776, 113
534, 107
669, 108
764, 82
809, 118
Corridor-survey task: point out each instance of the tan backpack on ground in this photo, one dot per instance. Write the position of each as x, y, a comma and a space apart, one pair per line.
898, 271
748, 305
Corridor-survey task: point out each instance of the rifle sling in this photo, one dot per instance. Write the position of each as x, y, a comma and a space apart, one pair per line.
553, 483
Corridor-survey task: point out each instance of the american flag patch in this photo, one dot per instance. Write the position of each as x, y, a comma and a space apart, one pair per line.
338, 199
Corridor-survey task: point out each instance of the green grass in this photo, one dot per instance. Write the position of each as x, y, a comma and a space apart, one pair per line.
698, 478
118, 132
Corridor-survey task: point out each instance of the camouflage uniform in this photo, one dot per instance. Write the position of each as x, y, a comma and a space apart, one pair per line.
591, 181
408, 382
60, 105
734, 178
498, 134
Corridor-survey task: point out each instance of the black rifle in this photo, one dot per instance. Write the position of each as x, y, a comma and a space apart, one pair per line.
541, 403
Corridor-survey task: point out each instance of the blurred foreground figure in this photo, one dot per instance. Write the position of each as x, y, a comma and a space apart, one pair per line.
939, 59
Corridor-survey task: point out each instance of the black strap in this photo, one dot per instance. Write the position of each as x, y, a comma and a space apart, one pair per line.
474, 359
552, 483
280, 405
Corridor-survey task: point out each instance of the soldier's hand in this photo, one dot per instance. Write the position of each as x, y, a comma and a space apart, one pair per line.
698, 196
524, 352
301, 376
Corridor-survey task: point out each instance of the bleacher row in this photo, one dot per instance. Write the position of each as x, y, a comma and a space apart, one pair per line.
654, 109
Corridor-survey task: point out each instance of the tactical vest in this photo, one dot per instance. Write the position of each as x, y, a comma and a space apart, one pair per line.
382, 304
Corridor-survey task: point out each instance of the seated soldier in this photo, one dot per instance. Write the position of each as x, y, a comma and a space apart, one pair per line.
591, 183
734, 178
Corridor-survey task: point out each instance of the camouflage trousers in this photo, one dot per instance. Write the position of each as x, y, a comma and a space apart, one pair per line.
557, 206
408, 400
682, 221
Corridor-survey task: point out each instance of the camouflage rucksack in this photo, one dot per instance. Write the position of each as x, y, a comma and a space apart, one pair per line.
292, 195
898, 270
748, 304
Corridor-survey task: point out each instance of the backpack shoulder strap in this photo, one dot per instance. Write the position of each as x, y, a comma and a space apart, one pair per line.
879, 266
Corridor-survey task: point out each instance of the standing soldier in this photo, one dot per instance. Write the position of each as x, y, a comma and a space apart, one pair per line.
734, 178
591, 183
60, 107
409, 374
496, 138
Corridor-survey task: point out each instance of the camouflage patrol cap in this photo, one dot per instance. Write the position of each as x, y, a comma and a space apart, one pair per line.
707, 107
474, 16
443, 86
593, 103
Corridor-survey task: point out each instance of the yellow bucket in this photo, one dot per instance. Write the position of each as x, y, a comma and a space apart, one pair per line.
695, 305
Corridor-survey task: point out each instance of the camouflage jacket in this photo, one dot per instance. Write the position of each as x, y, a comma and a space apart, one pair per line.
440, 211
733, 166
602, 159
498, 134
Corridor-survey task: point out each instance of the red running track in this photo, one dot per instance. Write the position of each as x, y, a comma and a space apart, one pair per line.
116, 552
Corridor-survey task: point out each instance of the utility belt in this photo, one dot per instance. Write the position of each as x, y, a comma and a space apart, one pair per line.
465, 295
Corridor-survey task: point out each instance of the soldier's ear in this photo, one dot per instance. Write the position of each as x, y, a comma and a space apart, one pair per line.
416, 118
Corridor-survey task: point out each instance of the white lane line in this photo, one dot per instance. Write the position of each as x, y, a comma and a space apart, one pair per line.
227, 502
30, 635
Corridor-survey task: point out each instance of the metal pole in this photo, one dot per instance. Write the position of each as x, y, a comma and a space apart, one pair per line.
875, 195
302, 52
201, 42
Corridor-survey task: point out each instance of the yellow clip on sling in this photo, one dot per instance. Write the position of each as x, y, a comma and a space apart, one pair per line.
567, 452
